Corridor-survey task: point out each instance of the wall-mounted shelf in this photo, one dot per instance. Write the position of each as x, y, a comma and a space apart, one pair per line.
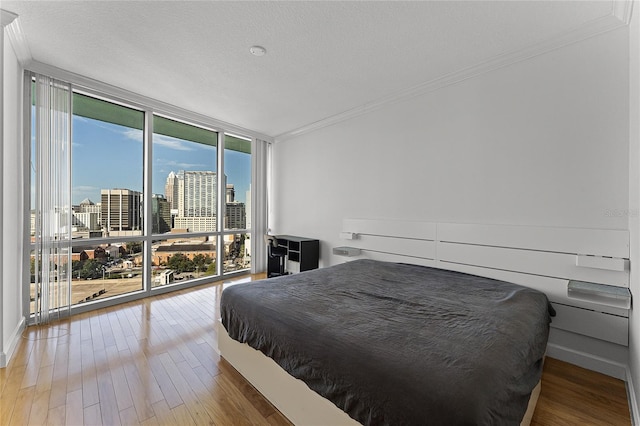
346, 251
618, 297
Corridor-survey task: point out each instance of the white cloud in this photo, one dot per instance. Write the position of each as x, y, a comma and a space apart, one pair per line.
133, 134
175, 165
162, 140
85, 187
171, 143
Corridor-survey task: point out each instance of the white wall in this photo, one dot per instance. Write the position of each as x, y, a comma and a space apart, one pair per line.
12, 205
542, 142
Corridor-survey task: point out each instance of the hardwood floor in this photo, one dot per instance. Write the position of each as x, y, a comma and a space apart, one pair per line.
574, 396
153, 362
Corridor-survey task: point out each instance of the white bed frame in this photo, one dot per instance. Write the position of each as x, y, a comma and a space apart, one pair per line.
541, 258
291, 396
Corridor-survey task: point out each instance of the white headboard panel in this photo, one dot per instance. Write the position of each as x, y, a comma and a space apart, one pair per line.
545, 263
598, 242
392, 228
543, 258
394, 241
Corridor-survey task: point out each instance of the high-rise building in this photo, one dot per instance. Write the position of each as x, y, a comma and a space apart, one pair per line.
236, 216
196, 200
121, 212
197, 194
231, 193
171, 190
87, 216
88, 206
160, 214
85, 221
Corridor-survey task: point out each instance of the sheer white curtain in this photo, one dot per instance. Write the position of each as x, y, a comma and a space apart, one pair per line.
259, 210
51, 162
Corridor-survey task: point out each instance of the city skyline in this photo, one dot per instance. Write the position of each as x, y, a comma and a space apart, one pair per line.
120, 163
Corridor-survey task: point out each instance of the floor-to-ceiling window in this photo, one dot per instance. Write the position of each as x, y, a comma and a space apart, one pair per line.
237, 215
107, 190
158, 201
185, 202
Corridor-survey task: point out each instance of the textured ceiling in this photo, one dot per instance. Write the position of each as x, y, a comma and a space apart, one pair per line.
323, 58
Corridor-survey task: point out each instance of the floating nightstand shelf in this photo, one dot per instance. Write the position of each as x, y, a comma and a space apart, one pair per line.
346, 251
618, 297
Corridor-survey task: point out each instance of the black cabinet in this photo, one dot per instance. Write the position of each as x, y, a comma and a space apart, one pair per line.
305, 252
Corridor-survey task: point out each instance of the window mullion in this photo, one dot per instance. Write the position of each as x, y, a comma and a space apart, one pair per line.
221, 201
147, 199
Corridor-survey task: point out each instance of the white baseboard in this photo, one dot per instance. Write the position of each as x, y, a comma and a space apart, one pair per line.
5, 356
588, 361
633, 400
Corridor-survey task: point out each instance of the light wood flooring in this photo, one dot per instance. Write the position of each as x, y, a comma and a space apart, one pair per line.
154, 362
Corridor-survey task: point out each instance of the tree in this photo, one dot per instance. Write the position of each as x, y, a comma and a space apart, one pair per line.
134, 247
76, 266
211, 270
200, 262
91, 269
180, 263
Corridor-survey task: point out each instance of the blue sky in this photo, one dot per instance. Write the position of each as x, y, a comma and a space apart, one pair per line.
107, 156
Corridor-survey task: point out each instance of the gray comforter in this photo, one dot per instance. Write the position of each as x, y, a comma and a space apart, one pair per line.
399, 344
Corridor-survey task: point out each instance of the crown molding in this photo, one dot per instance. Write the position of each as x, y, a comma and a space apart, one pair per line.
620, 16
18, 39
6, 17
622, 9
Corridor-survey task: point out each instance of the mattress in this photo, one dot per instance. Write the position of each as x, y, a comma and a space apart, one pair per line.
399, 344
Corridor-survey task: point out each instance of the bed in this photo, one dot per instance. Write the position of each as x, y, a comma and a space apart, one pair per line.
389, 343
